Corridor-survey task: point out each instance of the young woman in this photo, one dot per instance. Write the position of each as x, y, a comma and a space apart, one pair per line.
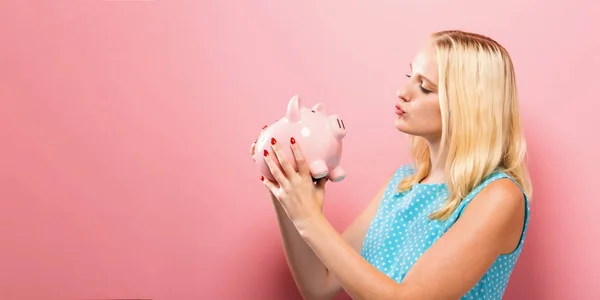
448, 225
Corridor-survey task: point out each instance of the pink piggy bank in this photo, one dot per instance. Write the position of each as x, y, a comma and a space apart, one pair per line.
318, 135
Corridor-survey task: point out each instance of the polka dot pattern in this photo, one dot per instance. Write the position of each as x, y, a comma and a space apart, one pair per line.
402, 231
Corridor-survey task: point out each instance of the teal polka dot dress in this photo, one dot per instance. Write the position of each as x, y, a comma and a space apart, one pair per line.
402, 231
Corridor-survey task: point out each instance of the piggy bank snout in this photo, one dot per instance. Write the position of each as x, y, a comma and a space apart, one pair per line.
339, 128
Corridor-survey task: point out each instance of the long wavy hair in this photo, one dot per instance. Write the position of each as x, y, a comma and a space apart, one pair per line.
481, 125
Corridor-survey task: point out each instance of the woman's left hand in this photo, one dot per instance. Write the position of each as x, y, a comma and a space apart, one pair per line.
301, 198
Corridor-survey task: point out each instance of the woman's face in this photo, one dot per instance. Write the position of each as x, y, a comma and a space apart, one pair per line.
418, 108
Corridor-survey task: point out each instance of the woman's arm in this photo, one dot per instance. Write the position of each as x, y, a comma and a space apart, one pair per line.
354, 235
312, 278
490, 225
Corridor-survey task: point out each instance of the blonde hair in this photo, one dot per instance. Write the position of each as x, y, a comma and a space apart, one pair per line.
480, 118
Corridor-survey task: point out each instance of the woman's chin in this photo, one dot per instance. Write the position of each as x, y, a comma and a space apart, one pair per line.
401, 125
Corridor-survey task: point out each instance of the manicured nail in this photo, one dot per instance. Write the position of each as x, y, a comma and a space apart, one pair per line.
262, 178
273, 141
265, 152
292, 140
264, 127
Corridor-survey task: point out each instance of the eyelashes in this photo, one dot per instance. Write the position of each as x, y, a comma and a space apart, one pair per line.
423, 90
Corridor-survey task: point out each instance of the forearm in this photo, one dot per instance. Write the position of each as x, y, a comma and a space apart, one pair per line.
307, 269
359, 278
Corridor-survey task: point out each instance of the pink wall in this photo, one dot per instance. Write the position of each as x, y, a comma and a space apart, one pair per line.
125, 127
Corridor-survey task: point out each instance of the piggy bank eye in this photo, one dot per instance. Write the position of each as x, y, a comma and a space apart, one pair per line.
313, 110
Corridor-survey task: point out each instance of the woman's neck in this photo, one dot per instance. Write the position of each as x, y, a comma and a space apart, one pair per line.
438, 162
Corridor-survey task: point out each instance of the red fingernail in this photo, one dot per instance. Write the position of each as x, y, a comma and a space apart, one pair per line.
293, 140
265, 152
264, 127
262, 178
273, 141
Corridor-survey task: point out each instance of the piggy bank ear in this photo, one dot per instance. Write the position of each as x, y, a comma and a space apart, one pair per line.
293, 109
320, 107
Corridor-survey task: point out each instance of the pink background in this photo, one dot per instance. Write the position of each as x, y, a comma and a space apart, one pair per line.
125, 128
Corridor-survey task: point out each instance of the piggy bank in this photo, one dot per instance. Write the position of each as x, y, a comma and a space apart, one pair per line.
319, 136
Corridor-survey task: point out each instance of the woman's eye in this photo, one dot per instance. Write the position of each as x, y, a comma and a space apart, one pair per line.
424, 90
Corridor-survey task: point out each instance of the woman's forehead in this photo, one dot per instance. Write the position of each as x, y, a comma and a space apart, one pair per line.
425, 63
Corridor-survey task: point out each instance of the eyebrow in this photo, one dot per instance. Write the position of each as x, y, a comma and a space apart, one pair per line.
426, 79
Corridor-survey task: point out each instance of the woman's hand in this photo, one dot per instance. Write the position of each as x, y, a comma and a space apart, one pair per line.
299, 195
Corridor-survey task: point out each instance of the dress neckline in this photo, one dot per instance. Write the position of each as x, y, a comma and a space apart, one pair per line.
431, 184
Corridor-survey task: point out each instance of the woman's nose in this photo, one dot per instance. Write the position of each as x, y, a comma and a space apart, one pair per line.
402, 95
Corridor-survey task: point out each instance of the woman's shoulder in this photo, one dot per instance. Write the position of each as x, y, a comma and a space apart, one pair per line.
401, 172
396, 176
405, 169
498, 181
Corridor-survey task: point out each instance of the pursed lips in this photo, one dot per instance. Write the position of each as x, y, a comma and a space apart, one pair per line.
398, 107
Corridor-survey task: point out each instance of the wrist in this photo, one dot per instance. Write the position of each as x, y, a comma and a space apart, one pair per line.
310, 226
